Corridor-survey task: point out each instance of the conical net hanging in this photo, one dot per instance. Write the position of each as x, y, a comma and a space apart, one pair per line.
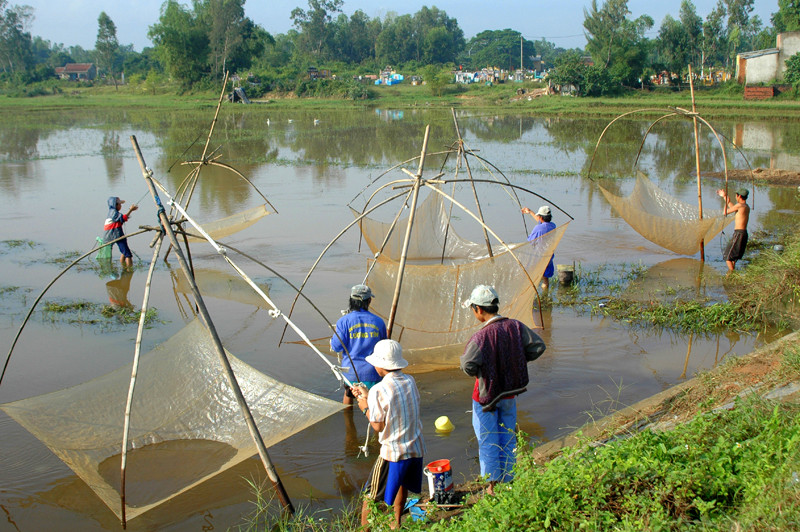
430, 322
232, 224
186, 425
665, 220
432, 236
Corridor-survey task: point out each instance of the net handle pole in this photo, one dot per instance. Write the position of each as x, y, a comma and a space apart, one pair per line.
697, 163
472, 182
134, 371
404, 255
231, 377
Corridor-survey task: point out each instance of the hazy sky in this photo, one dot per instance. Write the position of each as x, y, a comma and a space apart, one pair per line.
74, 22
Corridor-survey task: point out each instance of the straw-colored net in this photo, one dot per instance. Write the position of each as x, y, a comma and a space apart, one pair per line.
432, 236
232, 224
186, 425
665, 220
430, 322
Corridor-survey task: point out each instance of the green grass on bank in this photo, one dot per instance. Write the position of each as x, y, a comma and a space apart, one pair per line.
725, 101
734, 468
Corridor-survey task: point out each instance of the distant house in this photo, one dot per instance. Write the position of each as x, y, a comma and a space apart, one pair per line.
769, 65
77, 71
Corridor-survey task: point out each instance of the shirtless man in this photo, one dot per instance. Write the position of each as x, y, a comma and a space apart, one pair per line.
735, 249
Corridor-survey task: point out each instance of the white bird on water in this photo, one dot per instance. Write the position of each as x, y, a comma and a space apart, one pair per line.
267, 121
316, 121
290, 120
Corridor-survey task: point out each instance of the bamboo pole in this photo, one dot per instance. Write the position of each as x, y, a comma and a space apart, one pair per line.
404, 253
472, 183
231, 377
697, 163
208, 141
134, 370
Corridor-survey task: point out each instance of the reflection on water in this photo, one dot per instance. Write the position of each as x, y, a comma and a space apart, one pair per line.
56, 176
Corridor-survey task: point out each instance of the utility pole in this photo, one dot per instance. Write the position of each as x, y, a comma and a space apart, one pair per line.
520, 57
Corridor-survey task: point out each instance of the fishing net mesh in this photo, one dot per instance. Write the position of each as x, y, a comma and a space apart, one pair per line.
430, 322
185, 426
665, 220
432, 236
231, 224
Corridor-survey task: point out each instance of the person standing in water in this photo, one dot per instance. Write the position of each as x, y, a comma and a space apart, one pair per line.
543, 216
735, 248
113, 229
358, 331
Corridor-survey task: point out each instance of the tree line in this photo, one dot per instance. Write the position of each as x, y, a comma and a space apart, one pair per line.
193, 45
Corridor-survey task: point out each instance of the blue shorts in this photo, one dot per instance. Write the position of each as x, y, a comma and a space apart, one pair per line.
386, 478
124, 249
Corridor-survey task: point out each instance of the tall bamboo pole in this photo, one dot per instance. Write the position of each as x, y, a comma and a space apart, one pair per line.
404, 253
472, 182
231, 377
134, 370
697, 162
208, 141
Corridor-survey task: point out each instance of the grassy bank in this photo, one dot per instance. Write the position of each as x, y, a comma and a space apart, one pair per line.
726, 101
721, 451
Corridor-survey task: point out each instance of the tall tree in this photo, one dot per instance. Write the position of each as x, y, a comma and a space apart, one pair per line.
672, 45
16, 52
225, 23
314, 26
500, 48
615, 42
693, 26
181, 43
787, 18
714, 38
107, 46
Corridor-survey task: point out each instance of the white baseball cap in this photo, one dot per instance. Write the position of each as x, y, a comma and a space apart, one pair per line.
482, 295
544, 210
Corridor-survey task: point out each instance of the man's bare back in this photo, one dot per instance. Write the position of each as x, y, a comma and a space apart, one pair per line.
738, 243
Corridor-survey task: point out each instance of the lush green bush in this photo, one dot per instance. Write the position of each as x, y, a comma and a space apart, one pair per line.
792, 74
331, 88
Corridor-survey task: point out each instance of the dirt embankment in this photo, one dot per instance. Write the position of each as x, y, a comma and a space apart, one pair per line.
766, 176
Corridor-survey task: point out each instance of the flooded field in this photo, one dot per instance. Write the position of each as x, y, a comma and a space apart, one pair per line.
57, 171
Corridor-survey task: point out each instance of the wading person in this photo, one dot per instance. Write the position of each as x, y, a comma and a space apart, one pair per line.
544, 225
358, 331
497, 356
113, 229
392, 408
735, 248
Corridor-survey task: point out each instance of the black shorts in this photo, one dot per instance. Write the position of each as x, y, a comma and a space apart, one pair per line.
735, 249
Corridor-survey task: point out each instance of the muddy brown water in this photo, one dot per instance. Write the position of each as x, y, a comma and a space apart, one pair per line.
56, 176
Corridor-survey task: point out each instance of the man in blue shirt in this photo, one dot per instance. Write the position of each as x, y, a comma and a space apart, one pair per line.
357, 332
543, 216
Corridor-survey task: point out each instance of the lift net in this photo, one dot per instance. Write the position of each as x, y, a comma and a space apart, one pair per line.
185, 427
232, 224
432, 236
665, 220
429, 321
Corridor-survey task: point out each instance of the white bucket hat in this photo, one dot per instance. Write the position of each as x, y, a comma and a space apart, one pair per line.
483, 296
387, 354
544, 210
